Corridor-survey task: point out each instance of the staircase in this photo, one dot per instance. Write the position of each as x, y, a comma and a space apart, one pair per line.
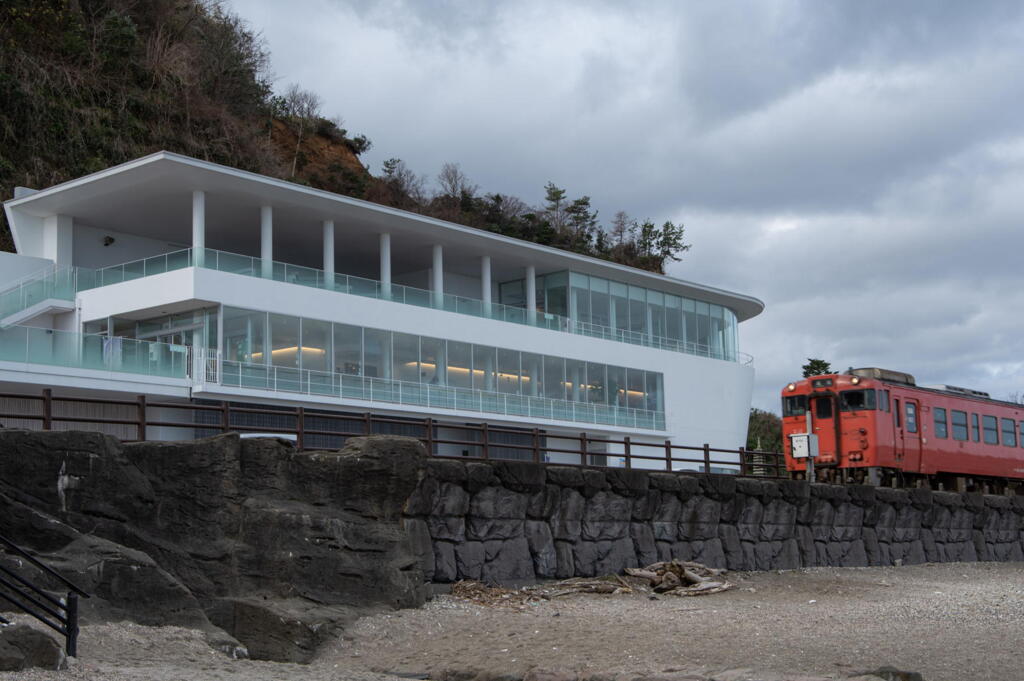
60, 614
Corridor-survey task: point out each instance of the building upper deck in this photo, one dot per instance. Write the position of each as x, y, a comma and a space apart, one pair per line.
166, 202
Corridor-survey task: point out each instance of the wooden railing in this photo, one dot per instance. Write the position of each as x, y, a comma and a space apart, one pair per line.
141, 418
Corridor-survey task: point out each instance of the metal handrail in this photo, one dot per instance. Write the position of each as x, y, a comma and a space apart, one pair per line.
36, 602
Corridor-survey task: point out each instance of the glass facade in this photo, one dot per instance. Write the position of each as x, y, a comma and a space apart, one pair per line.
632, 312
313, 345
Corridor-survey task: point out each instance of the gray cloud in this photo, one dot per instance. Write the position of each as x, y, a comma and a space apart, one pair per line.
856, 165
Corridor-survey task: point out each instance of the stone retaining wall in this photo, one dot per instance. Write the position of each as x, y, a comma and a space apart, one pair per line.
510, 521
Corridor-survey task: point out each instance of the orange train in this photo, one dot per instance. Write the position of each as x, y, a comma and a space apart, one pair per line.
878, 427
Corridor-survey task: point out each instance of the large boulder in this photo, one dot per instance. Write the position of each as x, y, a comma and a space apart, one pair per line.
24, 647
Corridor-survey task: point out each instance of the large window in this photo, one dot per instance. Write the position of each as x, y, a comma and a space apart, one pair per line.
991, 426
940, 423
959, 425
316, 346
703, 328
1009, 432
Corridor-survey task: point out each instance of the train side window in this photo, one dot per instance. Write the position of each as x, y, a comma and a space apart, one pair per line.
794, 405
959, 425
885, 401
975, 430
857, 400
941, 430
1009, 432
896, 413
911, 417
991, 426
1021, 438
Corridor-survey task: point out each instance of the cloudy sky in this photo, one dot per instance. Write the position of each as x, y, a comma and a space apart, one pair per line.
859, 166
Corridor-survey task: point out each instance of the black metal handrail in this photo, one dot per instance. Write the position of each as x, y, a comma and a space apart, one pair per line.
60, 614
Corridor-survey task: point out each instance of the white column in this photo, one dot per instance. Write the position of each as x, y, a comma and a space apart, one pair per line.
328, 254
220, 340
57, 239
531, 294
267, 242
199, 228
385, 266
485, 283
437, 277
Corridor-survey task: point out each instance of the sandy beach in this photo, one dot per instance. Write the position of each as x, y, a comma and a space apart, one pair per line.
948, 622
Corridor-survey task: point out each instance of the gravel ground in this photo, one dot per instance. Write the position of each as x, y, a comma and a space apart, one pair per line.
954, 622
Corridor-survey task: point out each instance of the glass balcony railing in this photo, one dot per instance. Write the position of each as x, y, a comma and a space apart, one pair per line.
65, 283
32, 345
346, 386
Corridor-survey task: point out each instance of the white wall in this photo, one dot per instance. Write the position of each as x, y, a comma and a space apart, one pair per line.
706, 400
89, 250
14, 267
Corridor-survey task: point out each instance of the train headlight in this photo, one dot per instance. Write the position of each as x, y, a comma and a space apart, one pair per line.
791, 386
855, 380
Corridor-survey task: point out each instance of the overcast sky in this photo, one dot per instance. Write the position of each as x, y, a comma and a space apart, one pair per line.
858, 166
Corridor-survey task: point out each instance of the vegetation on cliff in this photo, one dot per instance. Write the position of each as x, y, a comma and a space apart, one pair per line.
87, 84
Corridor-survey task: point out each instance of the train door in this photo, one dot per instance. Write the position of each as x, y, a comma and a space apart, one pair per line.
823, 424
907, 418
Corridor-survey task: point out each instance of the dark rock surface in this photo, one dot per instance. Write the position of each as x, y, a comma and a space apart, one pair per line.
248, 533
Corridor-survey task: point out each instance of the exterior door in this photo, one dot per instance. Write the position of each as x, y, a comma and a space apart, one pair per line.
823, 424
907, 417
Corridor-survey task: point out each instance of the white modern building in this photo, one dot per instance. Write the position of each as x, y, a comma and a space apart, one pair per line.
190, 282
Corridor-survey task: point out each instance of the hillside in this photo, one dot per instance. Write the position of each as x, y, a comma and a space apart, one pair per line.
88, 84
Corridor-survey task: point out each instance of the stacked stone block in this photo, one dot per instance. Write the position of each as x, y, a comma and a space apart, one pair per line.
510, 521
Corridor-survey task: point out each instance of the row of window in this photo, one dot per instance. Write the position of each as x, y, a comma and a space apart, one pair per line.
993, 430
599, 301
257, 337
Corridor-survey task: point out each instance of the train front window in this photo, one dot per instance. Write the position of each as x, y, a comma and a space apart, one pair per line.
857, 400
823, 408
794, 405
1009, 432
991, 426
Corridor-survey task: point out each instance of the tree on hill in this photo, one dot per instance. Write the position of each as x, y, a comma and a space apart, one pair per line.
764, 431
816, 367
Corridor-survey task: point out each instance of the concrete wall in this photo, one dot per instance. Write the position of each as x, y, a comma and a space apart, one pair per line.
507, 521
89, 250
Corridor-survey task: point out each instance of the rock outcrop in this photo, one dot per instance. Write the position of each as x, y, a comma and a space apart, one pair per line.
23, 647
246, 539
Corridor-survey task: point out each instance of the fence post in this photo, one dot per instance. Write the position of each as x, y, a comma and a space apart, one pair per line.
47, 408
583, 449
300, 427
225, 420
626, 448
707, 459
142, 418
536, 445
743, 460
367, 424
71, 611
430, 436
486, 438
668, 455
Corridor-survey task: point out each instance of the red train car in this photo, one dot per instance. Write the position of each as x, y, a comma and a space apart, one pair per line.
878, 427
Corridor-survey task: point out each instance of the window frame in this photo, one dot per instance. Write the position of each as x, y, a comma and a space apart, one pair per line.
954, 425
985, 420
940, 422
